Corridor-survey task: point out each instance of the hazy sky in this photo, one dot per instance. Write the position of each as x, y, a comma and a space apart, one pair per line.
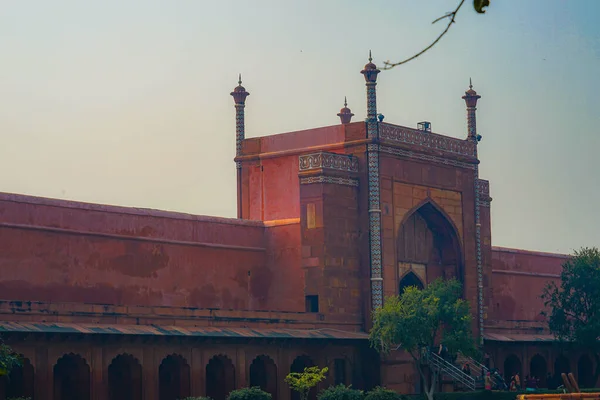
127, 101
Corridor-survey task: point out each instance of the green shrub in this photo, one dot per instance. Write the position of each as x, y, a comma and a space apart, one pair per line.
253, 393
380, 393
197, 398
340, 392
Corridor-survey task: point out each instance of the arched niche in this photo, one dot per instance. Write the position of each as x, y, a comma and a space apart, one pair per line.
19, 382
562, 365
538, 368
512, 366
585, 372
71, 378
263, 374
220, 377
125, 378
299, 364
173, 378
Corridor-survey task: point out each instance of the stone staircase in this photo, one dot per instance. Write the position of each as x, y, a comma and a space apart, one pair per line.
452, 372
478, 371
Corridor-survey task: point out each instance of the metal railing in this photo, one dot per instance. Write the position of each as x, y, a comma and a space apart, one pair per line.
447, 368
479, 370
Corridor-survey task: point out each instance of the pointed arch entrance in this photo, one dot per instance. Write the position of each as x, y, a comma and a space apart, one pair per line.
428, 242
410, 279
71, 378
263, 374
173, 378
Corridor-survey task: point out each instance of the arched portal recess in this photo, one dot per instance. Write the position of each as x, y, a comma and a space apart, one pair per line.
220, 377
125, 378
512, 366
561, 366
427, 238
263, 374
585, 372
299, 364
19, 382
173, 378
71, 378
538, 368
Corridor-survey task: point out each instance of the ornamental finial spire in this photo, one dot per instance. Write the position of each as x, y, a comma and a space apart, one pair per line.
370, 58
345, 102
470, 84
240, 79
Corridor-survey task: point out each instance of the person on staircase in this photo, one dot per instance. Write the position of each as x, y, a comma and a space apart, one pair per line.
488, 381
466, 369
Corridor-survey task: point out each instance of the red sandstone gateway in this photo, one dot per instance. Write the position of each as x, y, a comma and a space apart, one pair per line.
109, 302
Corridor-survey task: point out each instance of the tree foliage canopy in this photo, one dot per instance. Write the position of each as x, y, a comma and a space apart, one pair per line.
341, 392
251, 393
302, 382
574, 303
8, 359
422, 319
417, 318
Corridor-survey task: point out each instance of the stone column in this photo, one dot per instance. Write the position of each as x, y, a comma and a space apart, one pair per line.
198, 373
471, 98
98, 370
239, 96
370, 73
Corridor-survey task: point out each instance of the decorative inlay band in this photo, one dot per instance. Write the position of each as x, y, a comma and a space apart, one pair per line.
340, 162
329, 179
484, 188
484, 193
426, 157
427, 140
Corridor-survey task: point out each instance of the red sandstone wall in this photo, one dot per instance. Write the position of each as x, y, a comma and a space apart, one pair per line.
286, 276
274, 189
52, 250
270, 182
518, 278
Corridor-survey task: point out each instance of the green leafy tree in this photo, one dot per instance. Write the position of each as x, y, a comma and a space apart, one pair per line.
341, 392
302, 382
574, 303
8, 359
418, 319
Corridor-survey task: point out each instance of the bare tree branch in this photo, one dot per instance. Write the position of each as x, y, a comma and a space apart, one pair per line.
451, 16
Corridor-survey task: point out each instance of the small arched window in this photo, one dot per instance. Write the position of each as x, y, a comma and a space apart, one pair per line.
409, 280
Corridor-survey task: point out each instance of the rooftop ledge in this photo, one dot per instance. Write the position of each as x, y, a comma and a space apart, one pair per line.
338, 137
148, 212
427, 140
